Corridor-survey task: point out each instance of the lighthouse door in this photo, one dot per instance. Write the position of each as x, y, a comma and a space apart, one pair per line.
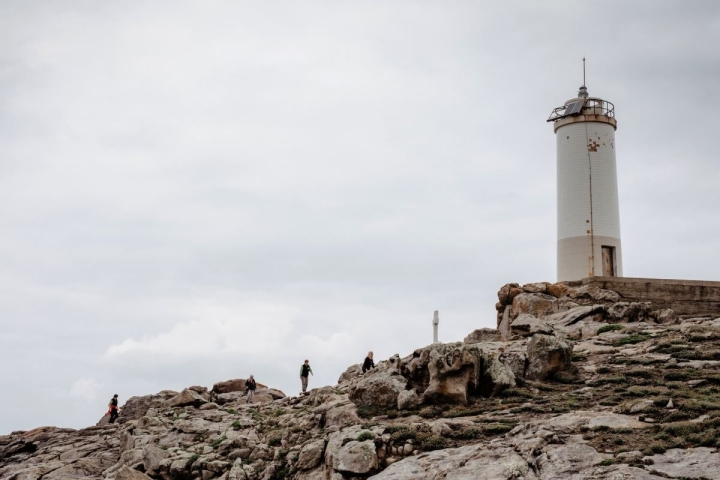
608, 263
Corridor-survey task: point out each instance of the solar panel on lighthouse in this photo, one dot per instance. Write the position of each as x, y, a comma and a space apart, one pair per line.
574, 107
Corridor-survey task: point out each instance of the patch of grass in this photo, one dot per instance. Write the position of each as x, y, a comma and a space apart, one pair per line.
409, 413
271, 422
278, 412
281, 473
681, 429
607, 462
657, 447
274, 441
528, 408
462, 412
469, 434
678, 417
565, 376
636, 360
366, 435
645, 391
517, 392
232, 411
497, 428
402, 434
609, 328
631, 340
608, 380
369, 411
217, 442
433, 443
236, 425
676, 376
420, 435
699, 338
430, 412
190, 461
697, 355
669, 347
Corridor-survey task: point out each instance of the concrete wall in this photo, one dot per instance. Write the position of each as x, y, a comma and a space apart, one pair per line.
685, 297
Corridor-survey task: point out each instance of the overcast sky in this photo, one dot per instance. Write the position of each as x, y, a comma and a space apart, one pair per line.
196, 191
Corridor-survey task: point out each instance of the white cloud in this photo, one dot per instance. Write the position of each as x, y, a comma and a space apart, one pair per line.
86, 389
252, 331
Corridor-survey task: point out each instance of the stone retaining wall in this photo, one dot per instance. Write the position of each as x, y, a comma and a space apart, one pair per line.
685, 297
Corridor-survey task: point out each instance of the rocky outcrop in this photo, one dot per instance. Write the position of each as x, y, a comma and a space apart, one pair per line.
526, 325
59, 453
687, 463
457, 371
483, 335
380, 387
227, 386
136, 407
577, 384
187, 398
462, 463
547, 355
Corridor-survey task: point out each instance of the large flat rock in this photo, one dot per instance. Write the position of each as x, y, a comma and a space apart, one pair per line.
583, 418
688, 463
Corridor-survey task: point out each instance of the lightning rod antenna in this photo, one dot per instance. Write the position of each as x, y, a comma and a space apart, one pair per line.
584, 72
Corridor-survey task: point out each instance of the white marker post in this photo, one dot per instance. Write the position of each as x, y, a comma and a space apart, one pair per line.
436, 320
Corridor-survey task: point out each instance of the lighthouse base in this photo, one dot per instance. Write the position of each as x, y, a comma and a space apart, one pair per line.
577, 259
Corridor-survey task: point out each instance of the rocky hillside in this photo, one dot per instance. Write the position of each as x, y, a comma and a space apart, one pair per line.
574, 384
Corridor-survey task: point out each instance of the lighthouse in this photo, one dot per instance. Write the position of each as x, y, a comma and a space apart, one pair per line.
588, 214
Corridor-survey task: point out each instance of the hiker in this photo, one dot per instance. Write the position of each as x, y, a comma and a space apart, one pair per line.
113, 408
250, 387
304, 371
368, 363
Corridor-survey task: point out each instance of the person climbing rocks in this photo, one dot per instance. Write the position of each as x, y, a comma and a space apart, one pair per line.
113, 408
250, 387
304, 371
368, 363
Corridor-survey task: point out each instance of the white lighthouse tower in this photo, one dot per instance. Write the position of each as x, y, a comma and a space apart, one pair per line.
588, 216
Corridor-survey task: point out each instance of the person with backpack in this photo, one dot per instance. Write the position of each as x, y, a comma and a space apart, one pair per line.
113, 408
250, 387
304, 371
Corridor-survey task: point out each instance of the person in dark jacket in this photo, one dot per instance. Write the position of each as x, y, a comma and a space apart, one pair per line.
250, 387
113, 408
305, 370
368, 363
